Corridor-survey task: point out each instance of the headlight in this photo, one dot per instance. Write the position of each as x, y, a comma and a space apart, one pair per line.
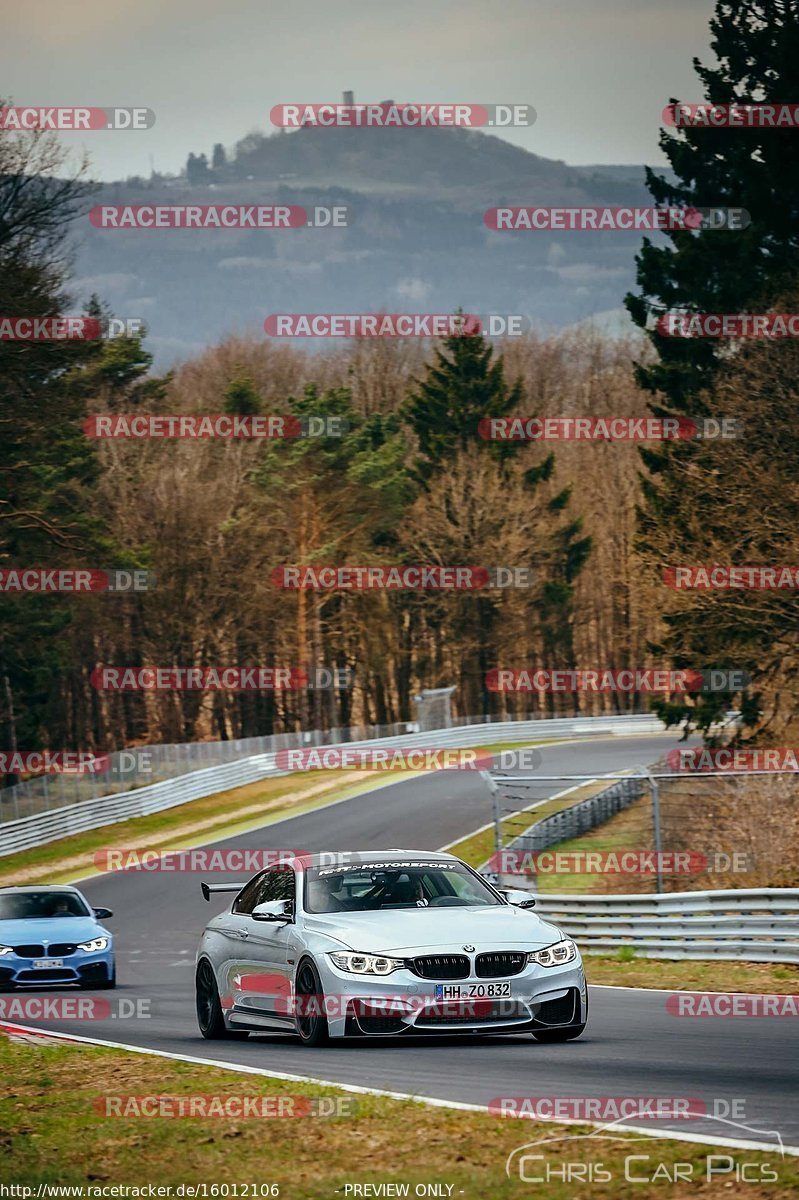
554, 956
6, 950
96, 944
366, 964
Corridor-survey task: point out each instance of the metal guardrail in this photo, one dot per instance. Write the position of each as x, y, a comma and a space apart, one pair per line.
66, 820
749, 925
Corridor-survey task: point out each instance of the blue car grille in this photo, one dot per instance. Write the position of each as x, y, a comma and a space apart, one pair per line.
51, 975
29, 951
61, 949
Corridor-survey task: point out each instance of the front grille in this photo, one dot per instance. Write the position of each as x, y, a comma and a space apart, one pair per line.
32, 951
61, 949
442, 966
499, 963
472, 1012
50, 975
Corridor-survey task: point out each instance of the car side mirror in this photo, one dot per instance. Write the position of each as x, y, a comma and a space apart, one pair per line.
519, 898
274, 910
102, 914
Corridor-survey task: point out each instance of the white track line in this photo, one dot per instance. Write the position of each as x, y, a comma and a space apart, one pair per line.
430, 1101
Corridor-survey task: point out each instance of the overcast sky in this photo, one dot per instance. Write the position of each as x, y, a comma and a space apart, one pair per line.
598, 72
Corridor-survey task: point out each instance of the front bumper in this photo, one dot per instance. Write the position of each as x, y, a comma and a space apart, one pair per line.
95, 968
403, 1003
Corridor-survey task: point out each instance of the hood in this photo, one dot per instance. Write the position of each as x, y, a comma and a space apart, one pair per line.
50, 929
493, 927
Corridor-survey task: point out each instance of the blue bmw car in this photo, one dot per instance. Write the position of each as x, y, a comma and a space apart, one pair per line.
51, 935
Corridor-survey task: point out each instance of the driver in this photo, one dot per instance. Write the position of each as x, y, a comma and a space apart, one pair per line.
407, 891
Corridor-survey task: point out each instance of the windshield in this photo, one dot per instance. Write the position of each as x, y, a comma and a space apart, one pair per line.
369, 887
20, 906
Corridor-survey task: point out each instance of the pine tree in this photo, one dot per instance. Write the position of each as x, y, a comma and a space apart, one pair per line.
756, 43
757, 46
462, 386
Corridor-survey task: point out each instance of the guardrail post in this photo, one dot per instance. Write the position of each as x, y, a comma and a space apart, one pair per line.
656, 822
494, 790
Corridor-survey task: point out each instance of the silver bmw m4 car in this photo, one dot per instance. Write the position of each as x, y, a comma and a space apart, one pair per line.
400, 942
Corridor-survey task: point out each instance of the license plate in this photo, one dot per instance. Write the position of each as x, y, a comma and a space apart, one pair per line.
473, 991
41, 964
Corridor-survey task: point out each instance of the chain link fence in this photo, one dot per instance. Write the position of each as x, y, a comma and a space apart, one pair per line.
653, 830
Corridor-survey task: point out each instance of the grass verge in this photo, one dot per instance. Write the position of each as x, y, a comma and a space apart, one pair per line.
687, 975
51, 1133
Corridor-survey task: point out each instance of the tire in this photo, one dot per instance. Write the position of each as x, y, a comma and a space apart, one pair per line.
566, 1034
209, 1010
312, 1026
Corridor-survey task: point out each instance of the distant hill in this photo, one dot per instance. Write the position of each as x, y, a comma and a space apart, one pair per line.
417, 241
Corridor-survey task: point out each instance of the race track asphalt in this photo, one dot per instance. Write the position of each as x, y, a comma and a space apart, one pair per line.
632, 1046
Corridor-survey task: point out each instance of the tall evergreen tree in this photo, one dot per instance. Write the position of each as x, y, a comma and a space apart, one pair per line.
756, 43
464, 385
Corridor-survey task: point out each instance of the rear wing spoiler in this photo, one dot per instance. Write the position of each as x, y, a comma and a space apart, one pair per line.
208, 888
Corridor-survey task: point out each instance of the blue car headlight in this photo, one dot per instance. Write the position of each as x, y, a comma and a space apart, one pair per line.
555, 955
366, 964
6, 950
100, 943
